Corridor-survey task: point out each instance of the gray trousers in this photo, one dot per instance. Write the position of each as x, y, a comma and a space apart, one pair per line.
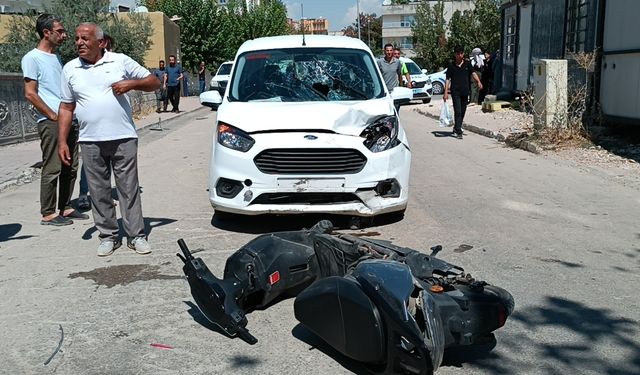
57, 180
99, 159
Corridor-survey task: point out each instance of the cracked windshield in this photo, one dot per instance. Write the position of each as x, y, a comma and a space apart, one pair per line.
306, 74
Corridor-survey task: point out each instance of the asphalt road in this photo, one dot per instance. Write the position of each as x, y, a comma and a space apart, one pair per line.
564, 241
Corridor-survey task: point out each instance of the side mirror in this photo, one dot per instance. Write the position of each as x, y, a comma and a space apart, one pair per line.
211, 99
401, 95
424, 71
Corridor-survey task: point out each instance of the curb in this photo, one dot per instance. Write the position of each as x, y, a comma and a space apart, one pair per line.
33, 174
522, 144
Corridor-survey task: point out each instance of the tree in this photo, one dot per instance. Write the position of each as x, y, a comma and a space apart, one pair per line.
435, 39
213, 33
370, 31
132, 35
430, 43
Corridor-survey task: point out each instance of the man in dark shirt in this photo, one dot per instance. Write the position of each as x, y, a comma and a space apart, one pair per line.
174, 80
459, 74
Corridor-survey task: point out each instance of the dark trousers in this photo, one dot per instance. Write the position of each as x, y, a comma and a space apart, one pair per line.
459, 108
202, 86
161, 99
173, 92
57, 180
121, 156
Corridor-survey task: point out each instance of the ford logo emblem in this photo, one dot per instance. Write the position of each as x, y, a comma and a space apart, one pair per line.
310, 137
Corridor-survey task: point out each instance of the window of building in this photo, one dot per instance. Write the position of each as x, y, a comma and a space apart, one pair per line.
576, 25
408, 21
510, 37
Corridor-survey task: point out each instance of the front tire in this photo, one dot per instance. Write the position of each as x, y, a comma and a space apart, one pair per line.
437, 87
426, 101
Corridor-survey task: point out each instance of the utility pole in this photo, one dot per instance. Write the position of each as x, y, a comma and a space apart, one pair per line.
358, 10
369, 29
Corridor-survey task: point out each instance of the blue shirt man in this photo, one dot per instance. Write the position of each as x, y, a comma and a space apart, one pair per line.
174, 78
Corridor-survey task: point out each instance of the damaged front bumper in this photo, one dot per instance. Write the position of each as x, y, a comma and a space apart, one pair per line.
246, 183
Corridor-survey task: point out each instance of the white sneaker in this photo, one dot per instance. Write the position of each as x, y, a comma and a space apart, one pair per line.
140, 245
107, 247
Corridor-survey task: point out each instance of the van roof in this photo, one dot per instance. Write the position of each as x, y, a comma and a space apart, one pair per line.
295, 41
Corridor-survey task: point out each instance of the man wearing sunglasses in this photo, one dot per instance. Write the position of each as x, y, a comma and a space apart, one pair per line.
42, 68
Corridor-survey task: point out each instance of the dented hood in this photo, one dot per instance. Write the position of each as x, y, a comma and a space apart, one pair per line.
348, 118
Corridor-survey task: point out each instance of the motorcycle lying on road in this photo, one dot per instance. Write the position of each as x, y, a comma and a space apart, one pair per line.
393, 309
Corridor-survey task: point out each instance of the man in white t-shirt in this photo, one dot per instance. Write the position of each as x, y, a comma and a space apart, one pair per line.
41, 69
95, 86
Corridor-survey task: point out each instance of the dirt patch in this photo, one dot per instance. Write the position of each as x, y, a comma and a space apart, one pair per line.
123, 274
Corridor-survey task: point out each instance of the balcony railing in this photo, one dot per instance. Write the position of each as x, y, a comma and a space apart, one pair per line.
401, 24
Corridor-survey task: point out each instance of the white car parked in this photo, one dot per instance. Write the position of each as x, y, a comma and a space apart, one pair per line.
438, 80
420, 82
306, 126
219, 81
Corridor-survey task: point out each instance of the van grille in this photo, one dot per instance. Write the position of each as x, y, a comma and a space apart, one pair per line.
308, 161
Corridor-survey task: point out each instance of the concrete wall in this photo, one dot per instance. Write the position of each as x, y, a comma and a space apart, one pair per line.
165, 38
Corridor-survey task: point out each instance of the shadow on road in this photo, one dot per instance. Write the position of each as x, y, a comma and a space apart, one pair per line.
8, 232
598, 331
149, 224
442, 133
278, 223
303, 334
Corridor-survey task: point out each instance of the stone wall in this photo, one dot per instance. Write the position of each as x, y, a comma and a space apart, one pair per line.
18, 117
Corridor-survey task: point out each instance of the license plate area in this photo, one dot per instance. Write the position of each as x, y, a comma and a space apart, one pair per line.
311, 184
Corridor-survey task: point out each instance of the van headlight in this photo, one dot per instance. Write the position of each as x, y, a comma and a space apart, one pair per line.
234, 138
382, 134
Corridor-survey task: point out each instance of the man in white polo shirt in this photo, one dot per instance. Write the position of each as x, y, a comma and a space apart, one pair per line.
95, 86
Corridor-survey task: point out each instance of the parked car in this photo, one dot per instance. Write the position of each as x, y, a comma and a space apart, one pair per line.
219, 81
437, 81
420, 82
306, 126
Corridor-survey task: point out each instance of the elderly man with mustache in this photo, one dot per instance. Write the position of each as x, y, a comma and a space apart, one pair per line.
95, 86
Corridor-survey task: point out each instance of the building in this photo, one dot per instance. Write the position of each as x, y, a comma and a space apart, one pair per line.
558, 29
398, 19
316, 26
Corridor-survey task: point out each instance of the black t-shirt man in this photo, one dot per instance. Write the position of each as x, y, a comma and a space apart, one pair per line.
460, 77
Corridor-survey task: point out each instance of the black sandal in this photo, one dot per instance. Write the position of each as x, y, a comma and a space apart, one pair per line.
57, 221
77, 215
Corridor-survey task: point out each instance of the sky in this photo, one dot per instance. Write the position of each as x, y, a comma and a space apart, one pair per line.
340, 13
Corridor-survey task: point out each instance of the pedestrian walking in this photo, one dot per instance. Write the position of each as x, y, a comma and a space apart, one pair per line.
174, 81
391, 69
161, 93
41, 68
93, 87
458, 81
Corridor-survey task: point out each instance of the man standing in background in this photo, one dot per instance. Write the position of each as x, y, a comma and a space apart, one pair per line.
161, 93
41, 68
174, 80
201, 76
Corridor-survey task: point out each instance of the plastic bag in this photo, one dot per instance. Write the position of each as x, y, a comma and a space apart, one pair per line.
446, 117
